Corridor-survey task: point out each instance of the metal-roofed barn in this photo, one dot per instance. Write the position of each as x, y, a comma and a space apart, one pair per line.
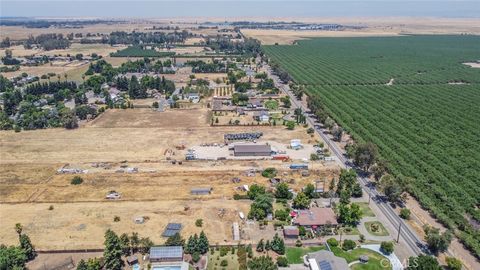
166, 254
242, 150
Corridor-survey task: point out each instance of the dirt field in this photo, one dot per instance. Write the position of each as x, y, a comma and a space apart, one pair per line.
268, 37
375, 27
74, 73
29, 183
85, 49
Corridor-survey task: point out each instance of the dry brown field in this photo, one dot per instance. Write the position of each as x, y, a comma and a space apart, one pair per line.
85, 49
375, 27
160, 191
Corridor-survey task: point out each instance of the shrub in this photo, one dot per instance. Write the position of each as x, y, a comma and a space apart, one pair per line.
362, 238
196, 257
224, 251
282, 261
240, 197
332, 242
76, 180
224, 263
348, 244
199, 222
386, 247
298, 243
453, 263
116, 219
405, 213
302, 231
50, 207
269, 172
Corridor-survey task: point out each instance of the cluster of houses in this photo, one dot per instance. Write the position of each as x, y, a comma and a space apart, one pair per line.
254, 107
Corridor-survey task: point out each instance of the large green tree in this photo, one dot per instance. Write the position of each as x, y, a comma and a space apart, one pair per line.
175, 240
278, 245
282, 191
301, 201
423, 262
436, 241
12, 258
202, 243
112, 254
262, 263
27, 246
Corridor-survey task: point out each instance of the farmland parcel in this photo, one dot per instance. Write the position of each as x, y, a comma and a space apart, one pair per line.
415, 100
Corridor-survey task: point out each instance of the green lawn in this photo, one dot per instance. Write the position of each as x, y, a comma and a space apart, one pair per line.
350, 231
374, 258
366, 211
381, 231
295, 254
215, 260
271, 104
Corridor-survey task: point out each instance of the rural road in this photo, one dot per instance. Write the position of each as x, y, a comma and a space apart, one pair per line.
407, 235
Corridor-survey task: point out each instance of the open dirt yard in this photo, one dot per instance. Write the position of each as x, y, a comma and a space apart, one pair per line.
139, 138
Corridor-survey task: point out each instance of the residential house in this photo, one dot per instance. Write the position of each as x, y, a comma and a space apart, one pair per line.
315, 217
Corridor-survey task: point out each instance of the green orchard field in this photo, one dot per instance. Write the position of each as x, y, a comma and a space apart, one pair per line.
426, 122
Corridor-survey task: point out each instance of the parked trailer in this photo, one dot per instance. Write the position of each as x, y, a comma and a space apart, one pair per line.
281, 157
299, 166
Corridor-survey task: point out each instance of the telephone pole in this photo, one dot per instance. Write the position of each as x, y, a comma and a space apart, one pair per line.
399, 230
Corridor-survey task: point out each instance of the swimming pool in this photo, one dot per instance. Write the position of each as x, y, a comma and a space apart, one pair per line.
167, 267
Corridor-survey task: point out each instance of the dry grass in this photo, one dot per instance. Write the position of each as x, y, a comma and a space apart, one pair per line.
29, 183
73, 72
82, 225
269, 37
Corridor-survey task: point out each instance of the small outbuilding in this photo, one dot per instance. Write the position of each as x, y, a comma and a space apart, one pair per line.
201, 191
291, 232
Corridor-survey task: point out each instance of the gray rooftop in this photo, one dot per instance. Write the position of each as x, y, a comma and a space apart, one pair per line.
162, 252
249, 148
326, 260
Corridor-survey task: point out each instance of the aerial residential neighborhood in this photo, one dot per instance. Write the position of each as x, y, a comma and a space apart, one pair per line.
201, 142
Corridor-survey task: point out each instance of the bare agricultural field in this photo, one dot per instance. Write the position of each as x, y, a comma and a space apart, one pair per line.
82, 225
74, 72
269, 37
85, 49
20, 33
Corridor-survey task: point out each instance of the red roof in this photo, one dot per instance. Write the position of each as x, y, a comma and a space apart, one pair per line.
316, 216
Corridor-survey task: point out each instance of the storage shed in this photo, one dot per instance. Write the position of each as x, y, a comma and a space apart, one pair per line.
201, 191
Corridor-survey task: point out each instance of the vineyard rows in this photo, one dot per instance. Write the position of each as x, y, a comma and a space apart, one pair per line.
427, 129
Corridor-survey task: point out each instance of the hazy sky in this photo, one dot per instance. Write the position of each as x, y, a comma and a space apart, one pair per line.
239, 8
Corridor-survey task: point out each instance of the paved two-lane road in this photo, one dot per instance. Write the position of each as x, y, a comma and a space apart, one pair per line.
407, 235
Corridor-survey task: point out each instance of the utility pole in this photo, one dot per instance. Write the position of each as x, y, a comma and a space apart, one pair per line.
340, 242
399, 230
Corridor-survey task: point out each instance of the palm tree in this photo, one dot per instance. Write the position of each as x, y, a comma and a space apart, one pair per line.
65, 75
58, 77
83, 78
